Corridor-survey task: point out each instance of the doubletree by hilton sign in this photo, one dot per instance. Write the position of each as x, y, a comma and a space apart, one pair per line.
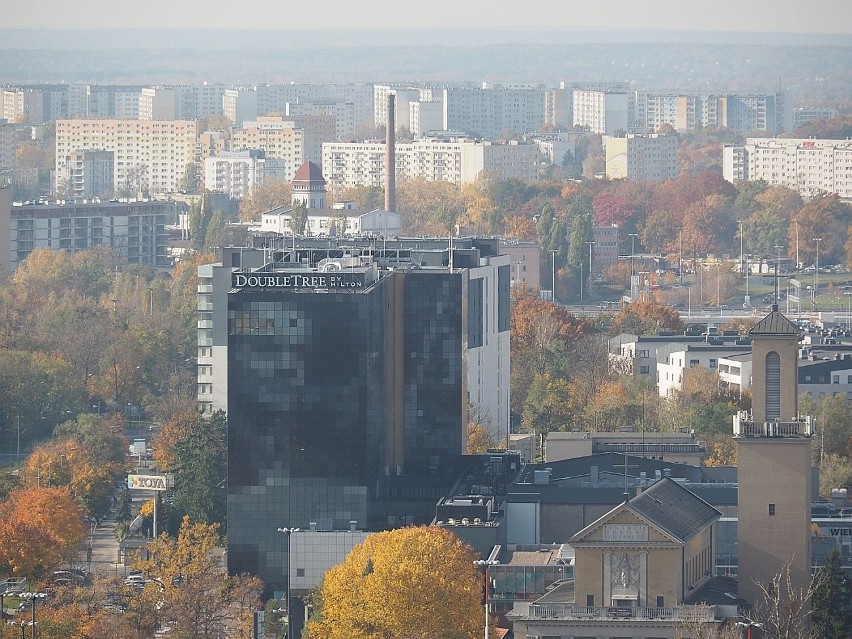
337, 280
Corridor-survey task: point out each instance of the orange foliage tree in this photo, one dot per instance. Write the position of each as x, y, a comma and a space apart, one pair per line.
415, 582
647, 317
39, 527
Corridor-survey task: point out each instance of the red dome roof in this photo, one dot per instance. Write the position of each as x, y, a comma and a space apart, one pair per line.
309, 172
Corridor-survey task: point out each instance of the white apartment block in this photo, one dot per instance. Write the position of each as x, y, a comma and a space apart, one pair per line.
209, 99
642, 158
404, 97
674, 360
488, 112
741, 113
277, 138
91, 173
273, 98
559, 107
803, 115
342, 114
154, 153
424, 117
808, 166
236, 173
168, 103
12, 105
554, 148
346, 164
601, 111
240, 105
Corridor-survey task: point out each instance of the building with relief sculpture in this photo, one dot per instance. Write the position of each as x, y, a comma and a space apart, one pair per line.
639, 572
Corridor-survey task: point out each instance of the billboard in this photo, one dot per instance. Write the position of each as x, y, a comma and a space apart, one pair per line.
149, 482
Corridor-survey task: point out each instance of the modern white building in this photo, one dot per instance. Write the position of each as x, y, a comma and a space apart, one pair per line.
149, 154
808, 166
554, 147
674, 360
458, 161
601, 111
642, 157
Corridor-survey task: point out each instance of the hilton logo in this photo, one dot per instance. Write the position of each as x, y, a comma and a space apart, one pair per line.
318, 280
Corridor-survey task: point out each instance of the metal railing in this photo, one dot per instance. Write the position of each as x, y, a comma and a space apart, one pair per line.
602, 613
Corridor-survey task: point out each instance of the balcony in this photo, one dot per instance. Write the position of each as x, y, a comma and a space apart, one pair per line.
745, 427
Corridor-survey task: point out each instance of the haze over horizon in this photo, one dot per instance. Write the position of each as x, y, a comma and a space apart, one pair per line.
762, 16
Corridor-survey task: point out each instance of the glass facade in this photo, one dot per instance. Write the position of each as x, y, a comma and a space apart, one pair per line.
305, 399
312, 396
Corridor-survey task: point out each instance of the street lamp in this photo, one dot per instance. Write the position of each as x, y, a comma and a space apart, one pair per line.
590, 243
553, 275
32, 597
632, 255
816, 269
289, 532
484, 564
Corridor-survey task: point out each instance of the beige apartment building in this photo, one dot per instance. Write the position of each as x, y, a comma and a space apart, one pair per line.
150, 155
642, 158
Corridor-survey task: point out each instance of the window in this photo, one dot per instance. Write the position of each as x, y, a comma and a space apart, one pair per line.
693, 363
712, 363
644, 354
643, 370
660, 602
590, 600
771, 510
835, 379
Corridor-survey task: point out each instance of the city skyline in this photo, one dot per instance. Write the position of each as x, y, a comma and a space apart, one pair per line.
823, 16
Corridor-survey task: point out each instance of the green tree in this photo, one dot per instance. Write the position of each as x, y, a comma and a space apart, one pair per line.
832, 617
409, 582
298, 218
193, 447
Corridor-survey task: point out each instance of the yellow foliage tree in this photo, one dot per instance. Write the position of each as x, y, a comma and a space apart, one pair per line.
197, 598
416, 582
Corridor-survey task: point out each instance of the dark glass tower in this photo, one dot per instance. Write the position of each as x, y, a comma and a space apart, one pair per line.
345, 404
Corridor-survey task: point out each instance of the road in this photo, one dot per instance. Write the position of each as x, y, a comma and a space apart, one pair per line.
105, 549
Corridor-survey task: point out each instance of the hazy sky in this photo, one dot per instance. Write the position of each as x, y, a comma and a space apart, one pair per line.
813, 16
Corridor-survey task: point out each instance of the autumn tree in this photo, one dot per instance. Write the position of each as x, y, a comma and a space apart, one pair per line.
196, 597
644, 317
271, 195
39, 527
416, 582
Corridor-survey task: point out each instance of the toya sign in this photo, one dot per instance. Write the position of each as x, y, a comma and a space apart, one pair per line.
298, 281
147, 482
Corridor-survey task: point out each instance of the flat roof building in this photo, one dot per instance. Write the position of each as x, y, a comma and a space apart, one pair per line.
347, 377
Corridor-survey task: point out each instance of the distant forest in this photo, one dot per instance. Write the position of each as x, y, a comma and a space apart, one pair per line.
813, 69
